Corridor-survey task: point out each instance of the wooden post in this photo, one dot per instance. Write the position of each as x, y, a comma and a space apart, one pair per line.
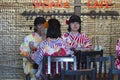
77, 9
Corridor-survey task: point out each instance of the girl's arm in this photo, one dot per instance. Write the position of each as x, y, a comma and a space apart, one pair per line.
38, 55
87, 43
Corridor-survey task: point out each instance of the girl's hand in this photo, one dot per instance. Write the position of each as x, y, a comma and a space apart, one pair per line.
32, 56
32, 47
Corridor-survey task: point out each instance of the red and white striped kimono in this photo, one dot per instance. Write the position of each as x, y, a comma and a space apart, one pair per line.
79, 40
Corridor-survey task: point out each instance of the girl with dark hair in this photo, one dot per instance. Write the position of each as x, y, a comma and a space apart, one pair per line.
74, 38
29, 46
52, 46
53, 30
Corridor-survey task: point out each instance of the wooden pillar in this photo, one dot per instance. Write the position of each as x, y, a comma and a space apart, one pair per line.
77, 9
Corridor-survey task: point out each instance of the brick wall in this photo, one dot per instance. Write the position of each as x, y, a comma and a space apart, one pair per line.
14, 27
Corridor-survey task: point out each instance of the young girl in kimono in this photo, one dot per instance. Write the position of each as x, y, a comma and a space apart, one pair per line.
29, 46
74, 38
52, 46
117, 61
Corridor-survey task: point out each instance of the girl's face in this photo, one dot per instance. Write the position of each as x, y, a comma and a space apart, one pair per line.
40, 29
39, 26
74, 26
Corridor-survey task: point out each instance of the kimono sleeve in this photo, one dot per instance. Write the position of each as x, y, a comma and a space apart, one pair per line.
39, 53
87, 42
118, 48
66, 48
24, 47
117, 63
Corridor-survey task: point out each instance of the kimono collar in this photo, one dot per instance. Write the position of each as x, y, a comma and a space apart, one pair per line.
35, 34
53, 40
77, 34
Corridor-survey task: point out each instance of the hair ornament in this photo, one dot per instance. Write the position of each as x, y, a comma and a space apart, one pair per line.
67, 21
46, 24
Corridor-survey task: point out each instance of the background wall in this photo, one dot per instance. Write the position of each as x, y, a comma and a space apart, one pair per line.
15, 25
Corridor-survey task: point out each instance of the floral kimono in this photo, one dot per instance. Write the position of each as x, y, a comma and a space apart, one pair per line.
50, 47
117, 61
78, 40
25, 51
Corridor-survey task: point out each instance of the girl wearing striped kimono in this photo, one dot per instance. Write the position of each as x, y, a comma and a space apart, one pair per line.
117, 61
29, 46
74, 38
52, 46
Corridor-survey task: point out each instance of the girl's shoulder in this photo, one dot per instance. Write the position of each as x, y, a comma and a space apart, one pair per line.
43, 43
60, 40
29, 36
82, 34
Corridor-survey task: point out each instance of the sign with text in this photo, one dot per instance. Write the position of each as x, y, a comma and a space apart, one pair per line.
99, 3
67, 4
50, 4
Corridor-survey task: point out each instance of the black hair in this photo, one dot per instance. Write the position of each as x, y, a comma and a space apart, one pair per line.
53, 30
37, 21
72, 19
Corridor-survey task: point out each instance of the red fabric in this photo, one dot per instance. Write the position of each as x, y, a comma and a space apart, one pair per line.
67, 22
61, 52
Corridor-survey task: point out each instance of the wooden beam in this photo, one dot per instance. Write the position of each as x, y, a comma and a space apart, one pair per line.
91, 13
77, 9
